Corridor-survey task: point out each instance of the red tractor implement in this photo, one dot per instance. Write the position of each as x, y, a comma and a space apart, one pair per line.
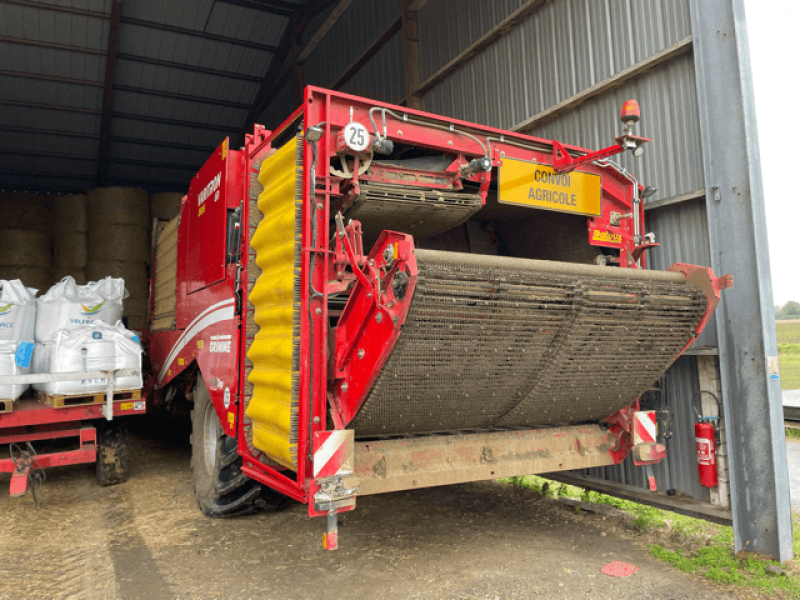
373, 298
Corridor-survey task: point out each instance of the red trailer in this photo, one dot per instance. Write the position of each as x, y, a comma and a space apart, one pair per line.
372, 298
100, 439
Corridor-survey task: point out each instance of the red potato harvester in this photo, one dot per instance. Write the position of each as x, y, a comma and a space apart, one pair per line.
373, 298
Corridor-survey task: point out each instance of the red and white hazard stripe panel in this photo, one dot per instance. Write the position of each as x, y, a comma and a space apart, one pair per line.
333, 453
644, 427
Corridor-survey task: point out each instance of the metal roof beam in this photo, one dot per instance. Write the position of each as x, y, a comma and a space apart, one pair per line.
138, 90
177, 122
51, 45
270, 81
108, 89
276, 7
160, 144
634, 71
35, 131
86, 157
91, 111
476, 47
323, 30
174, 65
56, 8
365, 57
51, 78
111, 138
199, 34
111, 180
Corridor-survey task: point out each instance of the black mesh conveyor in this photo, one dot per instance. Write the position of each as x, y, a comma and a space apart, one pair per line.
502, 342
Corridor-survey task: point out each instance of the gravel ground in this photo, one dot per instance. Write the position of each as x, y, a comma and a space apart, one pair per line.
146, 539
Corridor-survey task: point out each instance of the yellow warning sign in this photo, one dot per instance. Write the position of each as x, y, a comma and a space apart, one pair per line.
539, 186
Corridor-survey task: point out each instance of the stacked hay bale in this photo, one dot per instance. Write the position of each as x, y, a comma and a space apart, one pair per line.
70, 238
165, 206
119, 244
25, 239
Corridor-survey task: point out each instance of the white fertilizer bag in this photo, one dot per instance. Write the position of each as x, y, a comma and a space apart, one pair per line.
95, 347
15, 358
67, 305
17, 311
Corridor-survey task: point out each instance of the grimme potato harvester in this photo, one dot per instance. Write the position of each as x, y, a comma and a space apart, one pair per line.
373, 298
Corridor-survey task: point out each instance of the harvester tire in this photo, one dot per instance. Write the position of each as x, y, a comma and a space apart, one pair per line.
220, 487
113, 454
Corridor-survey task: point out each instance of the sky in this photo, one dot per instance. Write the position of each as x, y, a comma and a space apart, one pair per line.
772, 27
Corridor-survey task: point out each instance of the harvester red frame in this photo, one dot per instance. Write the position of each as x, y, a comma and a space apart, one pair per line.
216, 308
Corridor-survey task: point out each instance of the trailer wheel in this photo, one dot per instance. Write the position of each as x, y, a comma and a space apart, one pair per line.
220, 487
113, 454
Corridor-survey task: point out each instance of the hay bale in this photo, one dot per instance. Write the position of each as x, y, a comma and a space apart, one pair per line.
117, 206
69, 214
165, 206
134, 274
78, 273
70, 248
125, 243
29, 212
24, 248
35, 277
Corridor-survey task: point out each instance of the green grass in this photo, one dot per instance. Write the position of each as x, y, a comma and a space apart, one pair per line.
789, 352
707, 548
793, 433
788, 333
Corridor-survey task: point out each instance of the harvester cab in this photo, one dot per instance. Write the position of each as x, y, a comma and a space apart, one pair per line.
372, 298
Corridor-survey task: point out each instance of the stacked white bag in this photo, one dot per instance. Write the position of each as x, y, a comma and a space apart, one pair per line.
17, 323
95, 347
78, 328
68, 305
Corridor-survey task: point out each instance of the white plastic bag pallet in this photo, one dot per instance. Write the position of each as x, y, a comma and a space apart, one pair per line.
67, 305
17, 311
9, 366
95, 347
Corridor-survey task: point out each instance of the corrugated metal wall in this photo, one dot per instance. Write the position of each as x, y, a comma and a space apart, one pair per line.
356, 30
557, 52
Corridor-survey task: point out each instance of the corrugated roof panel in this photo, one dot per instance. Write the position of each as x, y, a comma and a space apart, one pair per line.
46, 61
32, 23
59, 120
55, 166
682, 231
181, 81
40, 182
358, 27
94, 5
466, 21
133, 151
278, 110
189, 14
40, 142
50, 92
672, 162
566, 46
192, 136
168, 108
382, 77
247, 24
185, 49
123, 172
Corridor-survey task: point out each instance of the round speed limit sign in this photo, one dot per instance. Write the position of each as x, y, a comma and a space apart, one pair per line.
356, 137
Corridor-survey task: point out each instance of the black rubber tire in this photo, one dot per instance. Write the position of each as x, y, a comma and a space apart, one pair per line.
113, 454
221, 489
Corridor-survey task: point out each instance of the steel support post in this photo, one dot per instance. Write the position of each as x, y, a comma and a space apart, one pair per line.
745, 316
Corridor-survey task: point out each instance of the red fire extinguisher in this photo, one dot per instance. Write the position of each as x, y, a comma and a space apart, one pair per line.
705, 440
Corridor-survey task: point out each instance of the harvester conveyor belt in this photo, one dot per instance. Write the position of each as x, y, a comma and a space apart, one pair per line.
502, 342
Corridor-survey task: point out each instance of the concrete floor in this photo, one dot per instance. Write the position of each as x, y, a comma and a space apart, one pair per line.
147, 540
